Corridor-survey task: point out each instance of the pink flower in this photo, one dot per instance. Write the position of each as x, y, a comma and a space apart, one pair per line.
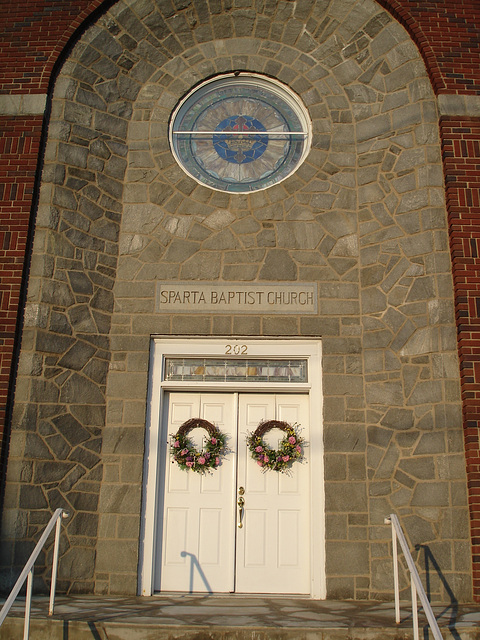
292, 440
189, 463
298, 448
285, 458
260, 463
265, 458
213, 440
201, 460
217, 461
176, 444
259, 449
183, 452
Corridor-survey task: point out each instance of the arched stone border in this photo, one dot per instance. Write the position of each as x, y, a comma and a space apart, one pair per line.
414, 28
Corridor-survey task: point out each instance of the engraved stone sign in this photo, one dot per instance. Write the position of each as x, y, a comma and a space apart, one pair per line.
202, 297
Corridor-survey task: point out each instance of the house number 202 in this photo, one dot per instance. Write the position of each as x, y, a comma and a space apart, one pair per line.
235, 349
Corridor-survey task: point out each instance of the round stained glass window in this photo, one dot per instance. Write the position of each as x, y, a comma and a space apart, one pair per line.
240, 133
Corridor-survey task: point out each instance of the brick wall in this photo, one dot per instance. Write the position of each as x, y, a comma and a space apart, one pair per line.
33, 36
461, 153
447, 34
19, 145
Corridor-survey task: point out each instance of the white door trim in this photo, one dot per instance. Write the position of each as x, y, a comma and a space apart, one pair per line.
214, 347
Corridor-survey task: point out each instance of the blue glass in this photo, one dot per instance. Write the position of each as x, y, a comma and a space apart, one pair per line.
237, 148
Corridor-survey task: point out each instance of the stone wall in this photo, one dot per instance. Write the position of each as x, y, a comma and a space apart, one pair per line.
364, 218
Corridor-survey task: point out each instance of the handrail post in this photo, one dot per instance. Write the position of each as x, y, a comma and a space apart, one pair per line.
414, 611
28, 605
396, 581
56, 548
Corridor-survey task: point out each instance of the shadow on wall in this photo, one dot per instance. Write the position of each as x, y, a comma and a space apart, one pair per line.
91, 625
93, 629
432, 565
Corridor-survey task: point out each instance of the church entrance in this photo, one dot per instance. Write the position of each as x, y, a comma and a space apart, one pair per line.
239, 527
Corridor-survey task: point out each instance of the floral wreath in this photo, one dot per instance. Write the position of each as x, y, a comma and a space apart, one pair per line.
291, 447
187, 456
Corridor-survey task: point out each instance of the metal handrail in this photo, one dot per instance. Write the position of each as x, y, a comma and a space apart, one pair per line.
27, 573
416, 584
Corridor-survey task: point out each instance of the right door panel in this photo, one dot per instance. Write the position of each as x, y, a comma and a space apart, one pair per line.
273, 546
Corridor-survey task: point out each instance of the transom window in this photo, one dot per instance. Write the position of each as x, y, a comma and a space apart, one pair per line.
235, 370
240, 133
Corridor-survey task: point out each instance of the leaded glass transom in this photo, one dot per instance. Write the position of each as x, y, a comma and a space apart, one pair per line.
240, 133
235, 370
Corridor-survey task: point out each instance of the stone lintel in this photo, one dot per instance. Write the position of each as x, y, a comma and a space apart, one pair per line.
23, 104
455, 105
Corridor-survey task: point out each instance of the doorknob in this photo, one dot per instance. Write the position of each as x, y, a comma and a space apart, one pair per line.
240, 503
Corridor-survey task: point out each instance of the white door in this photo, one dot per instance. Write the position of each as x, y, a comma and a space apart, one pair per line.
200, 546
196, 535
273, 546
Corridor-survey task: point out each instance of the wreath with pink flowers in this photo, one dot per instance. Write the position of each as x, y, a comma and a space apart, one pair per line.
281, 459
187, 456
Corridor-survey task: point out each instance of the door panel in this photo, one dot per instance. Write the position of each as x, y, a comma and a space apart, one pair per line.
276, 532
195, 552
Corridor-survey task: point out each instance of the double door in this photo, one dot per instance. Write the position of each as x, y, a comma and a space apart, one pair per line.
238, 529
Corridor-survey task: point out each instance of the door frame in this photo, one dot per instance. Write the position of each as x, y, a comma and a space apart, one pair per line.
230, 347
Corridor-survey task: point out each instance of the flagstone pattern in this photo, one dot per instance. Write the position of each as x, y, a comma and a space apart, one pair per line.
227, 617
364, 218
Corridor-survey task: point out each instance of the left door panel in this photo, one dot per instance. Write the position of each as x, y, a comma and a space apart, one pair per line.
195, 543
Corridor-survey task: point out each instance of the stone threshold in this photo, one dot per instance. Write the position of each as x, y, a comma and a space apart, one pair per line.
230, 617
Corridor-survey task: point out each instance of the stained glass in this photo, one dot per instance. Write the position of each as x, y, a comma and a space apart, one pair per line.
235, 370
240, 133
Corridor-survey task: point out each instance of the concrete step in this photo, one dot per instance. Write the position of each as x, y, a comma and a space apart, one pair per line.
55, 630
199, 617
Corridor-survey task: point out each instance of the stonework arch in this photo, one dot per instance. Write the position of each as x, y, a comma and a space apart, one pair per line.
364, 218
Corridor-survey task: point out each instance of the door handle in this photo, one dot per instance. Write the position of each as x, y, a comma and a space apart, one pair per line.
240, 503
